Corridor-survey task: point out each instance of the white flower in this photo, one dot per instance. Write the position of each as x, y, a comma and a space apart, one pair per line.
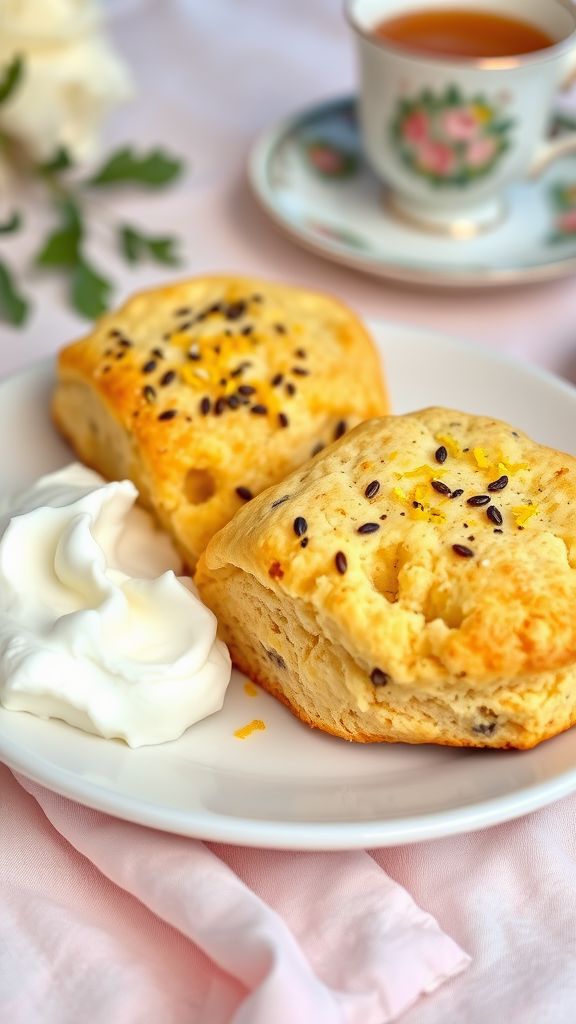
71, 79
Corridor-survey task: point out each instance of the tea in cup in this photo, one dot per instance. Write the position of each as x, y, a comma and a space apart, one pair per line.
456, 102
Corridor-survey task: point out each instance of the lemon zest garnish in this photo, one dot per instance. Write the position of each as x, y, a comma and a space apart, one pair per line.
428, 515
420, 513
482, 460
180, 338
421, 492
418, 471
450, 443
256, 725
195, 376
400, 494
214, 364
522, 513
510, 468
250, 690
392, 456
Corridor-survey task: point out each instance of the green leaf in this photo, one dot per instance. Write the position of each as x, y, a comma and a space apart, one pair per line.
90, 291
10, 78
14, 307
62, 247
136, 247
71, 214
130, 243
560, 196
13, 224
60, 161
153, 169
162, 250
500, 127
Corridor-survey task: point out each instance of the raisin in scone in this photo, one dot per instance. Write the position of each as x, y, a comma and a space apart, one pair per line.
416, 582
207, 391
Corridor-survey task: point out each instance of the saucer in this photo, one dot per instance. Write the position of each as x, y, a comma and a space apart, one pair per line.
310, 176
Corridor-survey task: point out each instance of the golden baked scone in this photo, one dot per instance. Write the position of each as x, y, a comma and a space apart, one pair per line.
416, 582
206, 391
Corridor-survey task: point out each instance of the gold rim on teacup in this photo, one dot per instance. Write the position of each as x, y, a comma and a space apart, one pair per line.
448, 134
485, 63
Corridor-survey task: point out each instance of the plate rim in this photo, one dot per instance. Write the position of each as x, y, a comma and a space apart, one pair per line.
256, 169
308, 835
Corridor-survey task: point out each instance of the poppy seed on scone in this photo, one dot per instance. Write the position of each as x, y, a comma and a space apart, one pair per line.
191, 408
437, 626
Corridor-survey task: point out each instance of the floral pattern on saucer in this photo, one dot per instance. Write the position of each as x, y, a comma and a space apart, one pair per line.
329, 160
563, 199
449, 139
311, 176
339, 235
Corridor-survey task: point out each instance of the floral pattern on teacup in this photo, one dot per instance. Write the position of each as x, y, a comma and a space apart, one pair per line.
449, 139
563, 199
330, 160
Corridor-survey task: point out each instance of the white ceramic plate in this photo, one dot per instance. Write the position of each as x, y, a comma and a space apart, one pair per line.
289, 786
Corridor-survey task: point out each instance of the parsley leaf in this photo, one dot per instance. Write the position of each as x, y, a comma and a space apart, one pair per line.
130, 243
62, 247
13, 224
10, 78
153, 169
90, 292
163, 251
60, 161
14, 307
136, 247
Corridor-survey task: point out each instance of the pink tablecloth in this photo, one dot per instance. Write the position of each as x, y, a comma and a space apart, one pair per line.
210, 76
137, 927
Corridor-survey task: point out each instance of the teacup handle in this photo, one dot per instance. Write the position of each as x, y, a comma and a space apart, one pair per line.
570, 78
556, 148
551, 151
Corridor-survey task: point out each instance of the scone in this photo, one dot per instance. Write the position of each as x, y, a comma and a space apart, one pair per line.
207, 391
416, 583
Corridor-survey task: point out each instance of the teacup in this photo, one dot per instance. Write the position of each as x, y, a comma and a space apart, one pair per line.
447, 134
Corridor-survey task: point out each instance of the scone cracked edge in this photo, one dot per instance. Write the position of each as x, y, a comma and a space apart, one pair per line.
207, 391
415, 583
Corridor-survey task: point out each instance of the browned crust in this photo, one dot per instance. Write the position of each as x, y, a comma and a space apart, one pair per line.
360, 737
71, 441
234, 450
